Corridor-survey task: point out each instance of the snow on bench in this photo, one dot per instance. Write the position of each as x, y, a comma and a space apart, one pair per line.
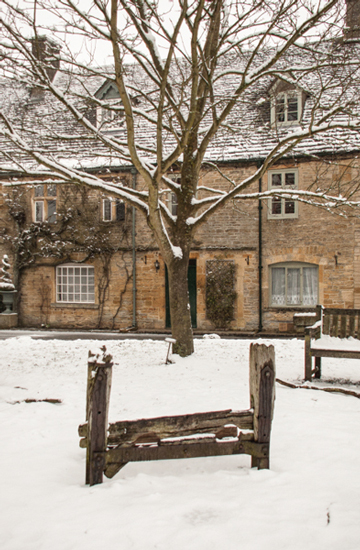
336, 333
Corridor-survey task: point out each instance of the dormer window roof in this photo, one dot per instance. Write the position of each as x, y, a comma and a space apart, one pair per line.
110, 114
286, 104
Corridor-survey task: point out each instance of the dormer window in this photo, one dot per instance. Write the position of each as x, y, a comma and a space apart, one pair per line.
286, 107
110, 115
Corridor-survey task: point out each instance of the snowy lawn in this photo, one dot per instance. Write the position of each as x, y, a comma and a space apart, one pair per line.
309, 499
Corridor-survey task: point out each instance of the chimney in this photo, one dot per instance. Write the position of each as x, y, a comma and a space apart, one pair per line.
352, 21
47, 52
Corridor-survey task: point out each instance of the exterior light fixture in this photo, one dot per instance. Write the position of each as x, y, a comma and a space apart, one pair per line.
157, 265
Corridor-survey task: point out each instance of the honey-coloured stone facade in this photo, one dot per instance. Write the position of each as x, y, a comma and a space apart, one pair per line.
130, 280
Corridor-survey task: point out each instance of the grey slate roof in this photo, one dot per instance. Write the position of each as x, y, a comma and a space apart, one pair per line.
248, 135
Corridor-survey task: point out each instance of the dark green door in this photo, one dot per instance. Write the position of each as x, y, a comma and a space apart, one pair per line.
192, 294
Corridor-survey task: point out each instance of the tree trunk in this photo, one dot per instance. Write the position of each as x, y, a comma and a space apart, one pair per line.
180, 306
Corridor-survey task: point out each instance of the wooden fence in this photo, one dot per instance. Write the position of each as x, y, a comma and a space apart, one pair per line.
110, 447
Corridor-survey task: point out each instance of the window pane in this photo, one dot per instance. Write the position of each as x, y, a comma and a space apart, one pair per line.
278, 286
107, 210
276, 206
120, 211
280, 109
289, 207
39, 211
290, 178
292, 109
293, 286
106, 115
75, 284
310, 286
39, 191
51, 211
276, 180
174, 204
51, 190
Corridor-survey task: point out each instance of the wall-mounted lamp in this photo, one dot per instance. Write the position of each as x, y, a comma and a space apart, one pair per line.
157, 265
247, 260
336, 257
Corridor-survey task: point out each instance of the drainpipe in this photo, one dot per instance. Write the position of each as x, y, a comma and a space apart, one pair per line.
133, 172
260, 258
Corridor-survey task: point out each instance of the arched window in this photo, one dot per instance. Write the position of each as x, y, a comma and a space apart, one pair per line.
294, 284
75, 284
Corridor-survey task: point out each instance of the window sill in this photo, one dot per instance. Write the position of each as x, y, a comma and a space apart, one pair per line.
287, 309
75, 305
282, 217
284, 124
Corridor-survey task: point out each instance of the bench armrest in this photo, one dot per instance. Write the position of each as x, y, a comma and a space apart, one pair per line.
314, 331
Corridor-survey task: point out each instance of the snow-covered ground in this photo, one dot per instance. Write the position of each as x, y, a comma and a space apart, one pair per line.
309, 499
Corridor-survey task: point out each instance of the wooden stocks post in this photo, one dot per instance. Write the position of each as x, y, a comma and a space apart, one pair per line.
262, 396
214, 433
97, 408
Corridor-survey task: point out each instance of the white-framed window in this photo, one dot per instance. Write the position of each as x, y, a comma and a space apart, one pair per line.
75, 284
294, 284
45, 203
286, 107
281, 207
173, 203
113, 210
172, 200
110, 114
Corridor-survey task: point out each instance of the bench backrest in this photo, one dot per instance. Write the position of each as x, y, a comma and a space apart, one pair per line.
341, 323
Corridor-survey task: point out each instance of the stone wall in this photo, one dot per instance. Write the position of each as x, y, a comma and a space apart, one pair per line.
315, 236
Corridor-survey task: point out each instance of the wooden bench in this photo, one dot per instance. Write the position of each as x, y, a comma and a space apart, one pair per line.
340, 323
109, 447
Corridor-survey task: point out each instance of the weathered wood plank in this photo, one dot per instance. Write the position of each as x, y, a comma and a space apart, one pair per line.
342, 311
352, 326
175, 426
123, 455
326, 323
317, 373
262, 394
307, 353
334, 330
343, 326
341, 354
190, 440
98, 419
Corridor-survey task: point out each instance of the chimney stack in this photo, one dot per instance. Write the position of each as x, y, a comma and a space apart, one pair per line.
352, 21
47, 52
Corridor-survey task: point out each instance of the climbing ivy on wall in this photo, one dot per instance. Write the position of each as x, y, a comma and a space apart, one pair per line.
220, 292
78, 230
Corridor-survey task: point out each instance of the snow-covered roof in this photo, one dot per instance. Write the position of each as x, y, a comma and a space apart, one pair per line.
51, 129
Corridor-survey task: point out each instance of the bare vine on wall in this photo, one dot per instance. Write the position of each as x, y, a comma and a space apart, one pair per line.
78, 232
128, 277
220, 292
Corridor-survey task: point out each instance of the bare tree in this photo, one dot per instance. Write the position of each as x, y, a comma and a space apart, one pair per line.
185, 73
